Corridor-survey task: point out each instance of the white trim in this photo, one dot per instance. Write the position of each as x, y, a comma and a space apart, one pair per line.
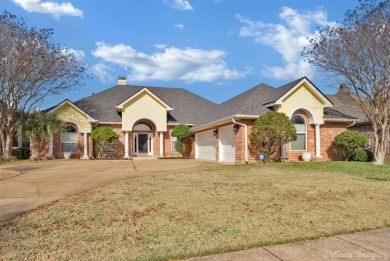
325, 100
174, 124
318, 141
120, 106
224, 120
149, 143
90, 119
340, 120
110, 123
312, 120
161, 144
127, 145
85, 156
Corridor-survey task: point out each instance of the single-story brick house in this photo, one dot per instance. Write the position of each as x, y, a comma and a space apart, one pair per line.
145, 116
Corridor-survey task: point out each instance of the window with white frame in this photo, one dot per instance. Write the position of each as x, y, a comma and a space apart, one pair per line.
300, 127
69, 140
109, 146
176, 145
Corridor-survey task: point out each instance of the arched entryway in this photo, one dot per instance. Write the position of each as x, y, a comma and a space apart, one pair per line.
143, 138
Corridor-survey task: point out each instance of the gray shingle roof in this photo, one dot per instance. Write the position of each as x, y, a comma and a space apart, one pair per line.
253, 101
344, 103
188, 107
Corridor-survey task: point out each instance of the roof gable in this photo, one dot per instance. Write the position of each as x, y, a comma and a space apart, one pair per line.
286, 90
66, 101
138, 94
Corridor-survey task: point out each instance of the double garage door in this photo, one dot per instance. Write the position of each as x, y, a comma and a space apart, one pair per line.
206, 149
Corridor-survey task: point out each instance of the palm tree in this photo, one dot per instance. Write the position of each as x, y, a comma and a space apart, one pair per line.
38, 127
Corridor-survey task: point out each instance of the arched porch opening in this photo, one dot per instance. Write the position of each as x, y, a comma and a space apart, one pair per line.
143, 138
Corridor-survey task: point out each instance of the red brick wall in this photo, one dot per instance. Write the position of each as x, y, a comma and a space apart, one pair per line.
367, 130
328, 132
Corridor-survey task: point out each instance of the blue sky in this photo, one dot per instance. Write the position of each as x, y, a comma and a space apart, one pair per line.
214, 48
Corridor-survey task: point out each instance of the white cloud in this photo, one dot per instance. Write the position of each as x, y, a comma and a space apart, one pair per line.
161, 46
183, 5
103, 71
288, 38
179, 26
49, 7
169, 63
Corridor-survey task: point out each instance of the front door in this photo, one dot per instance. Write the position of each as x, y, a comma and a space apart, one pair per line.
142, 143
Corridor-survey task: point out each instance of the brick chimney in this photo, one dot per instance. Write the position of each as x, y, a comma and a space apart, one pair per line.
343, 88
122, 80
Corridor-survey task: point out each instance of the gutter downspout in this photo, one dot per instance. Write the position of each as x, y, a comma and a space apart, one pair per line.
352, 124
246, 138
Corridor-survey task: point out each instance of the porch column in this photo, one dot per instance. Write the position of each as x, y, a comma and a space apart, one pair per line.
51, 147
85, 156
161, 144
127, 145
318, 141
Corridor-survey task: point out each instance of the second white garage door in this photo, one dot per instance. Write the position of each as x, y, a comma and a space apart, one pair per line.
227, 144
205, 145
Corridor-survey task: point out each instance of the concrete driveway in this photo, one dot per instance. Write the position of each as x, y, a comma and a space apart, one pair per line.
44, 182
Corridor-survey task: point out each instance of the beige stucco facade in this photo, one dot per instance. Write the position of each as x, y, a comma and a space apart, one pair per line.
68, 113
303, 98
144, 107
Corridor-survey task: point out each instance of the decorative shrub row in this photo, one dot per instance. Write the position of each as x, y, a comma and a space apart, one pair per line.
21, 153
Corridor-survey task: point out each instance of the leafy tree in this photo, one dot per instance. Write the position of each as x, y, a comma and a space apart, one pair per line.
38, 127
181, 132
31, 68
270, 131
350, 141
357, 51
103, 136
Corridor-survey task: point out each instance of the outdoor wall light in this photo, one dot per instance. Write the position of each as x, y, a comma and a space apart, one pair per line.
236, 127
215, 132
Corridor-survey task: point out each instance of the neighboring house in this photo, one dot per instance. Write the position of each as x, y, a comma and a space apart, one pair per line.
145, 116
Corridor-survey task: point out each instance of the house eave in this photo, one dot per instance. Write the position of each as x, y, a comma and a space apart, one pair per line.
224, 120
340, 120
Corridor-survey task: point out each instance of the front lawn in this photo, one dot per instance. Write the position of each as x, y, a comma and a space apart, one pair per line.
201, 211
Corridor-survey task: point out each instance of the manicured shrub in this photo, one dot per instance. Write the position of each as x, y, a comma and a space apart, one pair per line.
362, 156
359, 155
103, 136
21, 153
181, 132
270, 131
348, 142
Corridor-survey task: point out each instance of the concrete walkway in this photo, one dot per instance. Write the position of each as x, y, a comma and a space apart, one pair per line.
47, 181
370, 245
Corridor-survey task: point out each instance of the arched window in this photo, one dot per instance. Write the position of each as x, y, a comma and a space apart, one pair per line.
69, 140
300, 126
142, 126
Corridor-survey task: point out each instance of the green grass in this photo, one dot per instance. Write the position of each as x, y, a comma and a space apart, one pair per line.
358, 169
187, 213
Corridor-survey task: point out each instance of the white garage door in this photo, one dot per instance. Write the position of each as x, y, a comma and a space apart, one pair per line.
227, 144
205, 145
